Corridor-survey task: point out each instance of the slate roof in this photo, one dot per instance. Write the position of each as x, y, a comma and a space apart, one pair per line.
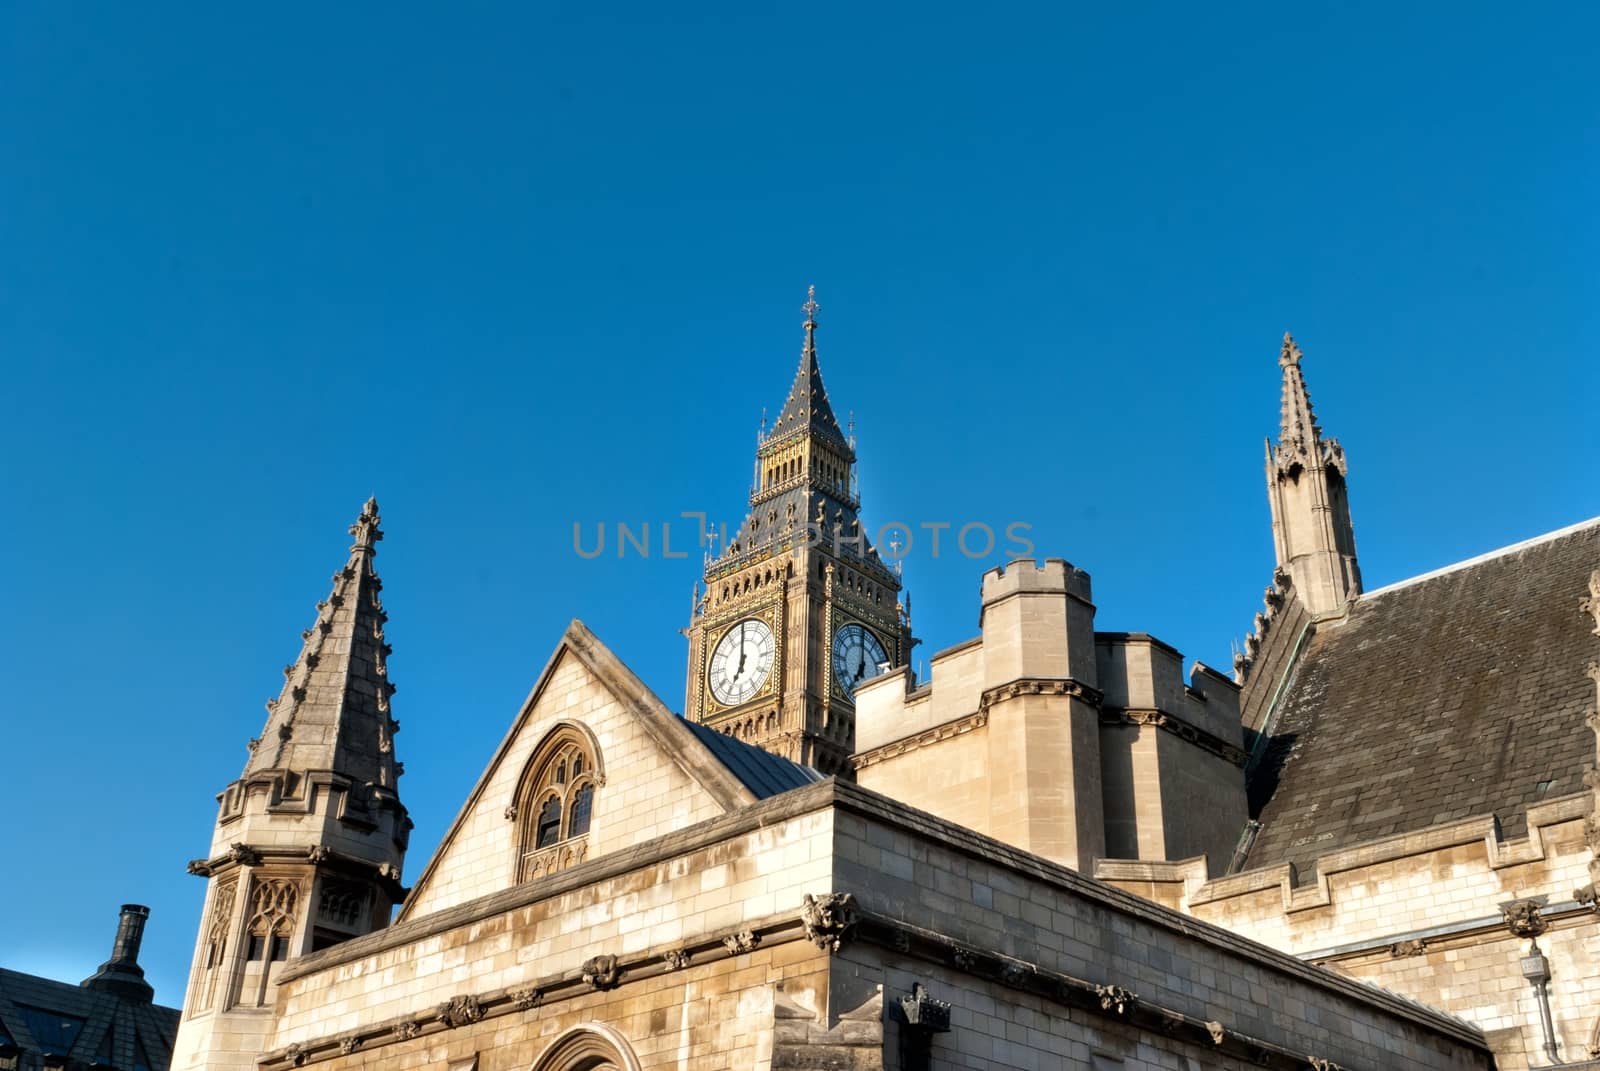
86, 1026
1454, 694
759, 770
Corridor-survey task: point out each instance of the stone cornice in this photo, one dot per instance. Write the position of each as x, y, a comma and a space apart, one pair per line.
241, 855
600, 971
830, 922
1180, 728
1104, 1000
1066, 686
944, 731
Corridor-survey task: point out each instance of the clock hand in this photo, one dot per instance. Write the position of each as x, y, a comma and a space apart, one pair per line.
740, 668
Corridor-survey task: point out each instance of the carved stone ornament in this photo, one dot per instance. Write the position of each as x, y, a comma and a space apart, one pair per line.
1115, 999
740, 943
923, 1012
407, 1030
1590, 604
510, 812
602, 972
200, 867
1319, 1064
319, 853
1014, 974
1402, 949
964, 960
295, 1055
243, 854
829, 919
523, 999
1523, 918
349, 1045
901, 941
1217, 1031
676, 959
459, 1011
1586, 896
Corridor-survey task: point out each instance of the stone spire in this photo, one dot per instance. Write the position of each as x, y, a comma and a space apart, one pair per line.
807, 406
1311, 528
1298, 432
310, 840
333, 712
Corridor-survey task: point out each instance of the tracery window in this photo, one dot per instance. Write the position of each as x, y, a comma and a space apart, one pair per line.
556, 802
273, 903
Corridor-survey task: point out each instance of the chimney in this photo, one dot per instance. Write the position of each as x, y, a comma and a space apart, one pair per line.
121, 974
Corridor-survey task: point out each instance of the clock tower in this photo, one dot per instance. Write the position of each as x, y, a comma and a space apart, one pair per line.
798, 607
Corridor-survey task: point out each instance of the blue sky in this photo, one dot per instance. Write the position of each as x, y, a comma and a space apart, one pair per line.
511, 268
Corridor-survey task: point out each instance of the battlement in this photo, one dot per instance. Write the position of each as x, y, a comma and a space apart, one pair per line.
1052, 576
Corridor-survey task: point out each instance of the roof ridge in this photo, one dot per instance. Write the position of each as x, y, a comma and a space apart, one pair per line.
1526, 544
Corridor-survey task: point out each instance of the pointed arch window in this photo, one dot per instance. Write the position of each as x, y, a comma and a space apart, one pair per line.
555, 802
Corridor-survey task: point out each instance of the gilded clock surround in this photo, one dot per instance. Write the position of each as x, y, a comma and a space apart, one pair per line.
802, 562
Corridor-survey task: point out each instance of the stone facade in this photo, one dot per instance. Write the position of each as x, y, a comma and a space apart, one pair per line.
1060, 850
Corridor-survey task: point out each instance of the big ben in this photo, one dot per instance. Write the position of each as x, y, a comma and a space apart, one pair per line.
799, 607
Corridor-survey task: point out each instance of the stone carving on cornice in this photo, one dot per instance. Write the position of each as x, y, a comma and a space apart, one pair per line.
295, 1054
242, 855
675, 959
1115, 999
459, 1011
200, 867
1160, 719
319, 853
964, 960
1523, 918
1217, 1031
406, 1030
739, 943
1404, 949
1014, 974
1067, 686
523, 999
602, 972
829, 919
1318, 1064
349, 1045
510, 812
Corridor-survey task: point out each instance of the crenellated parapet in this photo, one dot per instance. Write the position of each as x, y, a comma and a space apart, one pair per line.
1068, 742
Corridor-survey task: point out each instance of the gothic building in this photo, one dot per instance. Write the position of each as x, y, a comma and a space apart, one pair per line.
1367, 847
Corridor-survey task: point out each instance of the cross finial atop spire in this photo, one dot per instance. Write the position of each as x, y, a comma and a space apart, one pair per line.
810, 307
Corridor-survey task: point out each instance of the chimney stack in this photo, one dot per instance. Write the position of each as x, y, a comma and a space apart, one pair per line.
121, 974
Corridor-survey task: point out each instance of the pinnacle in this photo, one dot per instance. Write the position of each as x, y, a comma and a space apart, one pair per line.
807, 405
333, 711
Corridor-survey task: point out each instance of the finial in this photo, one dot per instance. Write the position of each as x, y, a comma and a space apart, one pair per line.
762, 437
810, 307
852, 429
1290, 354
366, 528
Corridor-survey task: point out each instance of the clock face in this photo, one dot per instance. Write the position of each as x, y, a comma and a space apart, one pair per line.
741, 662
858, 655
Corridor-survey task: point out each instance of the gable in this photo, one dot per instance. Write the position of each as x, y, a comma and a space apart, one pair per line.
655, 776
